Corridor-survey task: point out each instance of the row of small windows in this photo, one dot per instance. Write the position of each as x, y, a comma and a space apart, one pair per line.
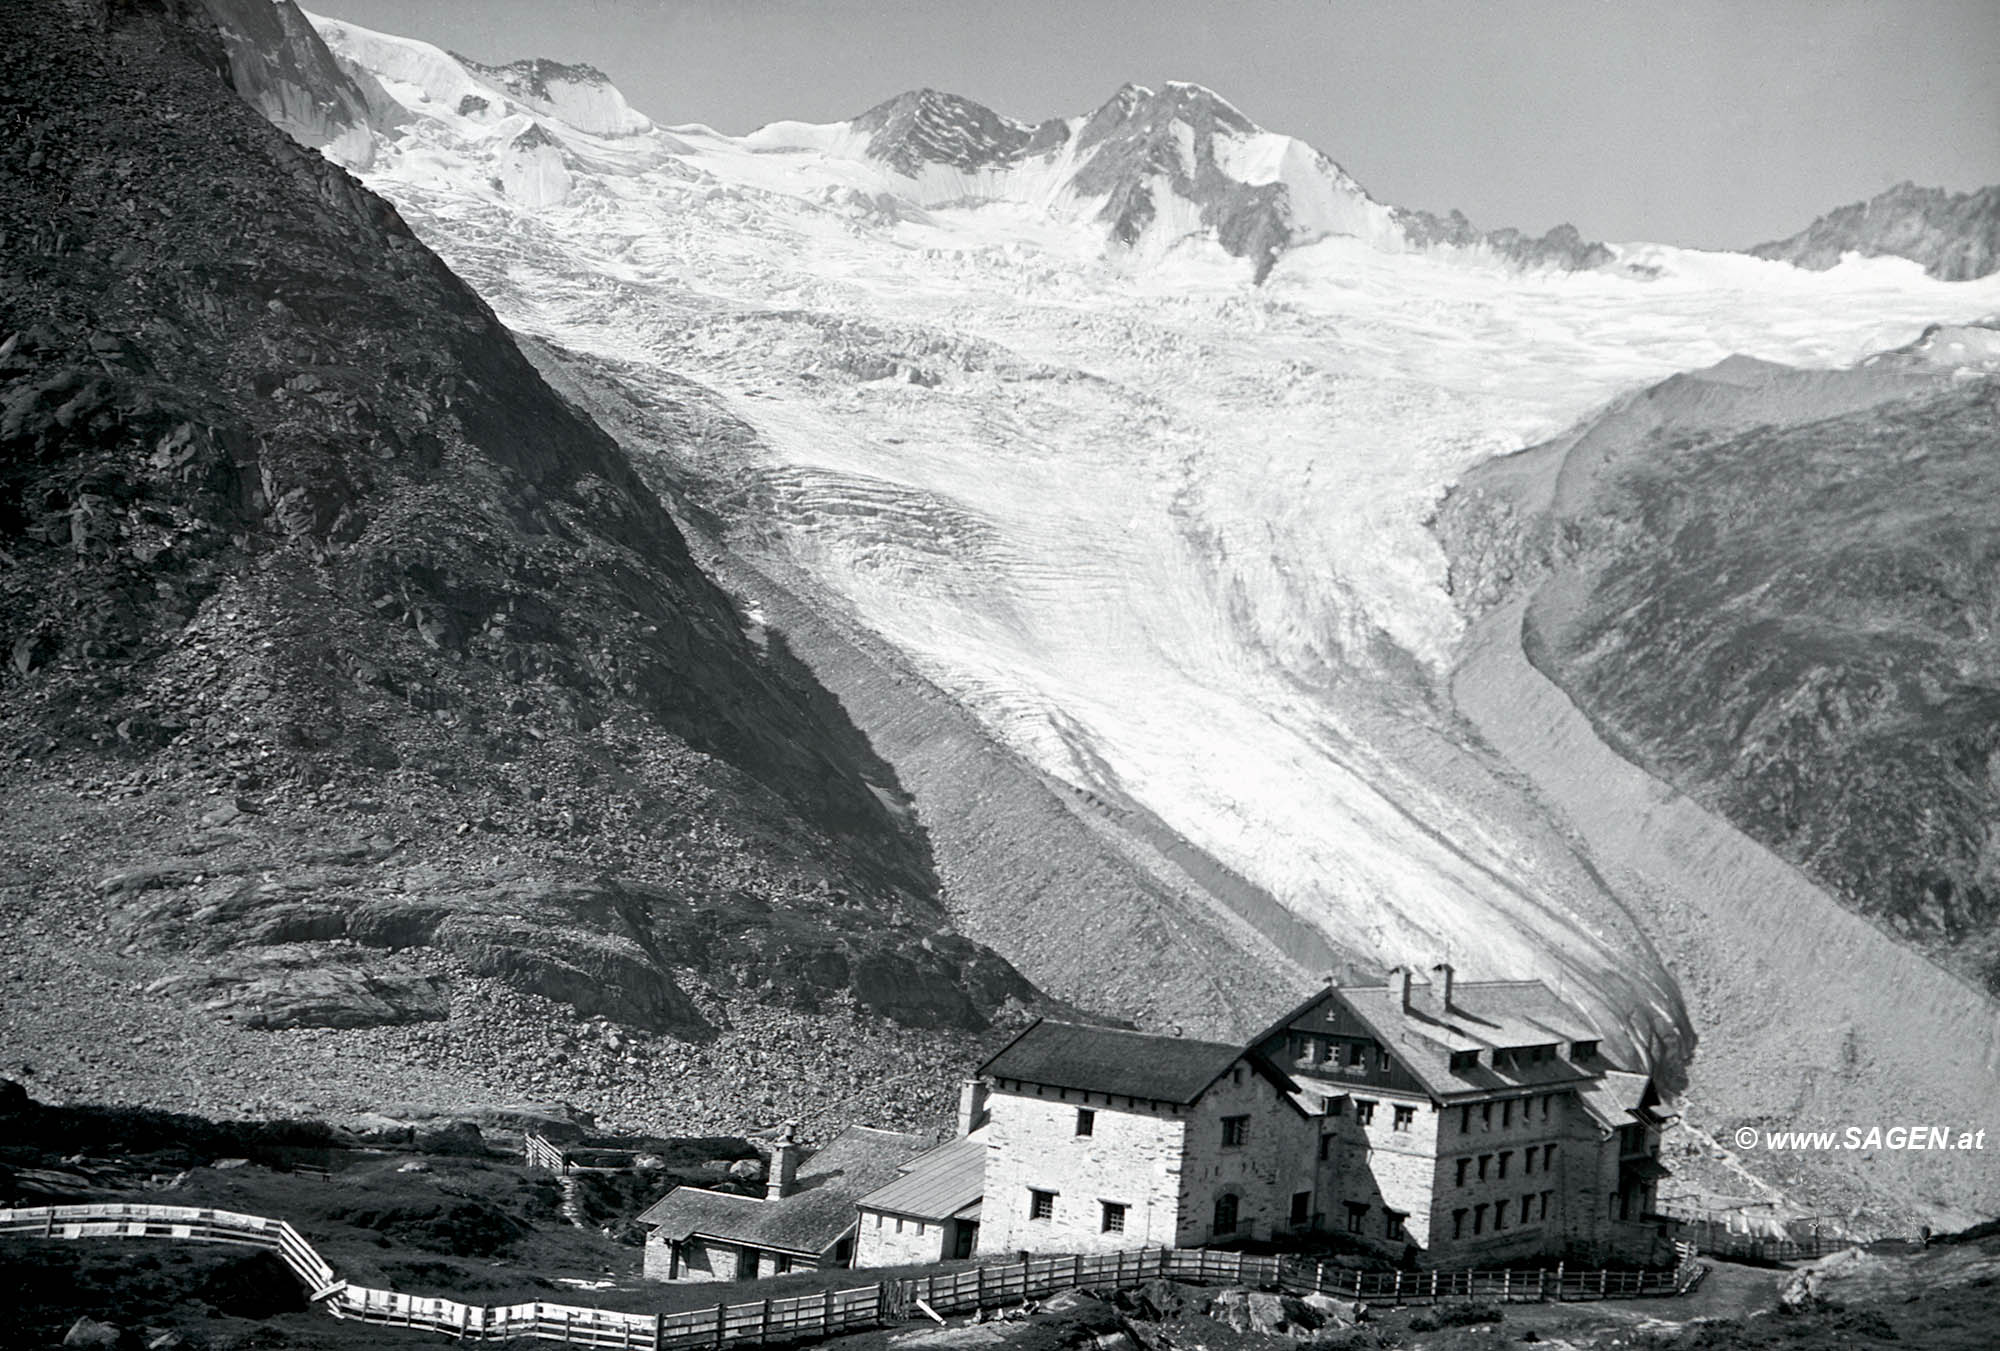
1534, 1208
1510, 1109
1357, 1220
1312, 1050
1516, 1057
1495, 1165
1110, 1214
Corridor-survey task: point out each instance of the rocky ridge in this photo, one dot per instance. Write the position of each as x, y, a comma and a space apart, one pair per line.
1954, 235
347, 670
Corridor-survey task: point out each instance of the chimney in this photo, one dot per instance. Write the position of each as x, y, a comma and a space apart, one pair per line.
1443, 972
784, 1174
1399, 986
971, 1106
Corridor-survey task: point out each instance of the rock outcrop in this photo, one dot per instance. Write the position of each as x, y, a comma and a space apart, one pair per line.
1954, 235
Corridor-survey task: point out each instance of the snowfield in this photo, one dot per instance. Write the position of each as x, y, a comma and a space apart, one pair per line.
1162, 529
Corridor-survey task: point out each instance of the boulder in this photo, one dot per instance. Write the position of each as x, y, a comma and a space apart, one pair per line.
87, 1331
1263, 1311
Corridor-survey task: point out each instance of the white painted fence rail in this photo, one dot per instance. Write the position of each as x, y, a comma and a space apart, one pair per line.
810, 1317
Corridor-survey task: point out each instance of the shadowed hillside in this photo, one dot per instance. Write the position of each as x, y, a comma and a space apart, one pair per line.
349, 678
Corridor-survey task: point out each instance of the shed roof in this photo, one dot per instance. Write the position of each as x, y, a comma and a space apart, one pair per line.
1112, 1060
1618, 1098
939, 1185
808, 1221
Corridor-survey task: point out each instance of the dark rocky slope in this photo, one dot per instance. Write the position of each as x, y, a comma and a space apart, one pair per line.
1777, 591
1955, 235
347, 674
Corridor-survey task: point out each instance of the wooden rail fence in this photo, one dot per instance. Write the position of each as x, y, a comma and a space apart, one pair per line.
815, 1316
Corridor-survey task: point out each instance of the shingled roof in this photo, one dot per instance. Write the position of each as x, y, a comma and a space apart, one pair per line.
808, 1221
1114, 1061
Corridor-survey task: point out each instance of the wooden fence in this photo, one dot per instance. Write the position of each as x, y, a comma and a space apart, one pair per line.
810, 1317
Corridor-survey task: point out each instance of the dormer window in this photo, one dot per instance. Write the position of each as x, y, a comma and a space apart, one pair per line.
1461, 1061
1584, 1050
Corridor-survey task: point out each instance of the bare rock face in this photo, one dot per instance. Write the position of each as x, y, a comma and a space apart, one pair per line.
298, 987
282, 69
1955, 235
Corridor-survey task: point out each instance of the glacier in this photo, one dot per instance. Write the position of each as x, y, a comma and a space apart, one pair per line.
1160, 526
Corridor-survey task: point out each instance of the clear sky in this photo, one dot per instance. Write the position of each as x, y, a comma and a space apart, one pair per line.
1716, 123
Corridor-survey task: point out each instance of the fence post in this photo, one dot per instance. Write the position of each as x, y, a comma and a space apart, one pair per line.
1399, 1287
1601, 1274
1559, 1282
721, 1323
1027, 1272
1506, 1284
1541, 1285
659, 1331
764, 1324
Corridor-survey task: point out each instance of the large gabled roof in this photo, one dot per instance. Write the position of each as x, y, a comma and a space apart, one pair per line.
1482, 1016
1121, 1063
813, 1217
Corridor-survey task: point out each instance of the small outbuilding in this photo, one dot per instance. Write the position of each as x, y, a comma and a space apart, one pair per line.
805, 1220
930, 1213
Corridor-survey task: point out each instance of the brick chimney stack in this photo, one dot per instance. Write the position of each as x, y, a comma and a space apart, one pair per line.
1399, 986
784, 1174
1443, 972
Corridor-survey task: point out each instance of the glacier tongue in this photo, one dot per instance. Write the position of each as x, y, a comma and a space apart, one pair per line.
1163, 531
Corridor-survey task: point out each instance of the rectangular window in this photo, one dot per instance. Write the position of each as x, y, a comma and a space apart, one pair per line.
1235, 1130
1114, 1217
1041, 1205
1465, 1121
1479, 1219
1354, 1053
1325, 1148
1382, 1061
1505, 1155
1506, 1114
1484, 1160
1086, 1121
1528, 1160
1486, 1116
1357, 1216
1458, 1224
1463, 1166
1527, 1207
1461, 1061
1584, 1050
1545, 1203
1336, 1106
1301, 1209
1364, 1112
1499, 1215
1548, 1157
1545, 1105
1405, 1117
1392, 1225
1225, 1213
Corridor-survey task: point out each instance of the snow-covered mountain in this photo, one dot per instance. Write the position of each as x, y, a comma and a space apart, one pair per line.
1008, 400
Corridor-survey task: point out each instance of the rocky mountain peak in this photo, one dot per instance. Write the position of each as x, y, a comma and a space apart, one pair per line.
1954, 235
925, 126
